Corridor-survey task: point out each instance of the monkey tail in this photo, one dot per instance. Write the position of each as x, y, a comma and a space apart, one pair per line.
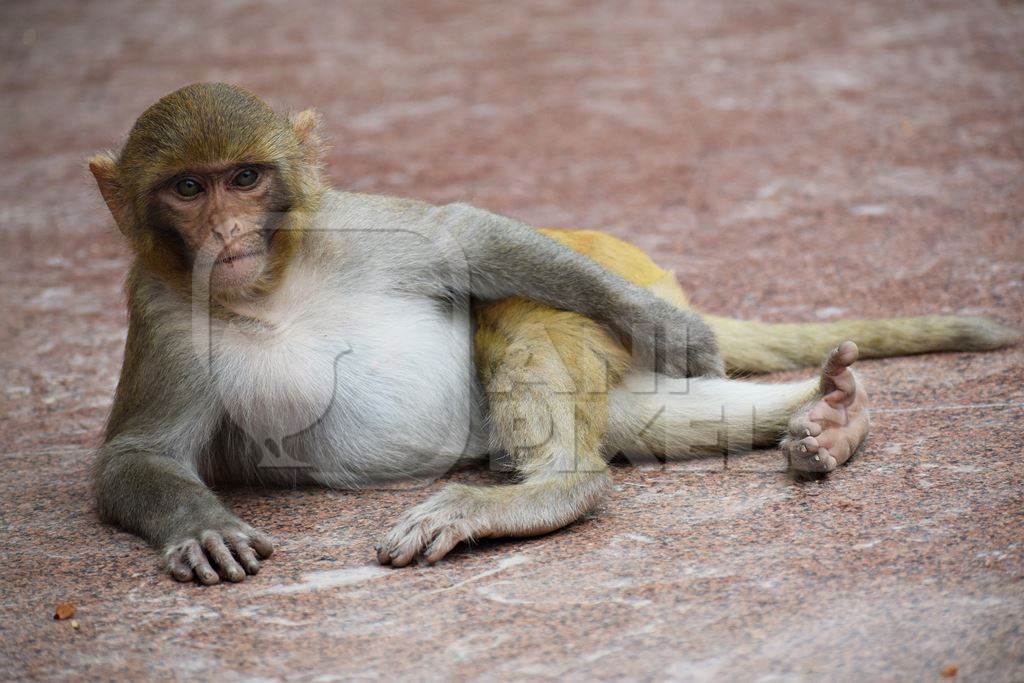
753, 346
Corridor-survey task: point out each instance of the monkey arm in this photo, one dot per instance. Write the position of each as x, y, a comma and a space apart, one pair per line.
151, 494
145, 473
504, 257
162, 499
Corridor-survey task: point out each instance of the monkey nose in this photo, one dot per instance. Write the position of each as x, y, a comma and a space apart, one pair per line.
227, 231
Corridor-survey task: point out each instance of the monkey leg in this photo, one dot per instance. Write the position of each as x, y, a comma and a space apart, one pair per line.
547, 374
822, 421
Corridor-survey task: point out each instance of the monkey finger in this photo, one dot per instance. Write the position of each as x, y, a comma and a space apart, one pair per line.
263, 544
245, 554
218, 551
196, 558
178, 568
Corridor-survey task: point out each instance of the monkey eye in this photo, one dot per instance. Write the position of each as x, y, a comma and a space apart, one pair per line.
188, 187
247, 177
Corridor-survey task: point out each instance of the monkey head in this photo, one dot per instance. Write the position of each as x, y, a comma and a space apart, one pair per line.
212, 183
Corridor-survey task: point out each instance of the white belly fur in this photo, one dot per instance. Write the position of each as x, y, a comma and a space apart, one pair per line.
376, 387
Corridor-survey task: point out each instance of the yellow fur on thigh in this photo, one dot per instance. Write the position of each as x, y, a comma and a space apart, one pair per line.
512, 331
573, 336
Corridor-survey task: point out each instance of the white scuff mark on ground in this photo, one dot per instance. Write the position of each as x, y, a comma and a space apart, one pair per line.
869, 210
627, 545
830, 79
706, 670
994, 554
962, 469
51, 299
771, 189
260, 612
639, 538
331, 578
469, 647
492, 592
911, 181
754, 211
506, 563
599, 654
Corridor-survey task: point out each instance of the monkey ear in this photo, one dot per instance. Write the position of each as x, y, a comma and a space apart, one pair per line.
306, 125
104, 169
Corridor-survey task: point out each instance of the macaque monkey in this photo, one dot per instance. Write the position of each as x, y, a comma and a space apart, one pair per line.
281, 331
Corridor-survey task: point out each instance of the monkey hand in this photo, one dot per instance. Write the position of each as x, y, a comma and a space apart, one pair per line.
223, 547
675, 342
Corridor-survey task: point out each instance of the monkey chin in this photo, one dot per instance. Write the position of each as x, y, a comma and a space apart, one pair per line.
235, 274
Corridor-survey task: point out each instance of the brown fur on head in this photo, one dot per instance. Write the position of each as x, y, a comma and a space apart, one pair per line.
213, 136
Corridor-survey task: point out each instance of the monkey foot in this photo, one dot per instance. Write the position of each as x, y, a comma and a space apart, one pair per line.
229, 552
825, 434
431, 529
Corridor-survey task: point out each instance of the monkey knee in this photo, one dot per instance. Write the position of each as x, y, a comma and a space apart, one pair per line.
528, 417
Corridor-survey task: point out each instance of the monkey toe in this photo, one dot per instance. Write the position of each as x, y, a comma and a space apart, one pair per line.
808, 455
401, 545
404, 554
826, 433
443, 544
841, 357
800, 426
429, 531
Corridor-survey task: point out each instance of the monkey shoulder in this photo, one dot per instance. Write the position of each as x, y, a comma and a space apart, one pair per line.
394, 241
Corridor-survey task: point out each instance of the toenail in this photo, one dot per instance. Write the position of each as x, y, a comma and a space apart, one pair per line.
807, 432
817, 458
803, 448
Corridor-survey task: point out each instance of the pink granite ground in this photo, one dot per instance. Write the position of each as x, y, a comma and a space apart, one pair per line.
798, 160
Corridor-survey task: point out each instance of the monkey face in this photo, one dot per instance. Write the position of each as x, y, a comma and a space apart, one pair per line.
223, 219
205, 185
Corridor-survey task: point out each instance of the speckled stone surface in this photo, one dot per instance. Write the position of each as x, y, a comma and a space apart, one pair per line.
797, 160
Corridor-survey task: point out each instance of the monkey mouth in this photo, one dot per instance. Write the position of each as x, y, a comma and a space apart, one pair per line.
229, 259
